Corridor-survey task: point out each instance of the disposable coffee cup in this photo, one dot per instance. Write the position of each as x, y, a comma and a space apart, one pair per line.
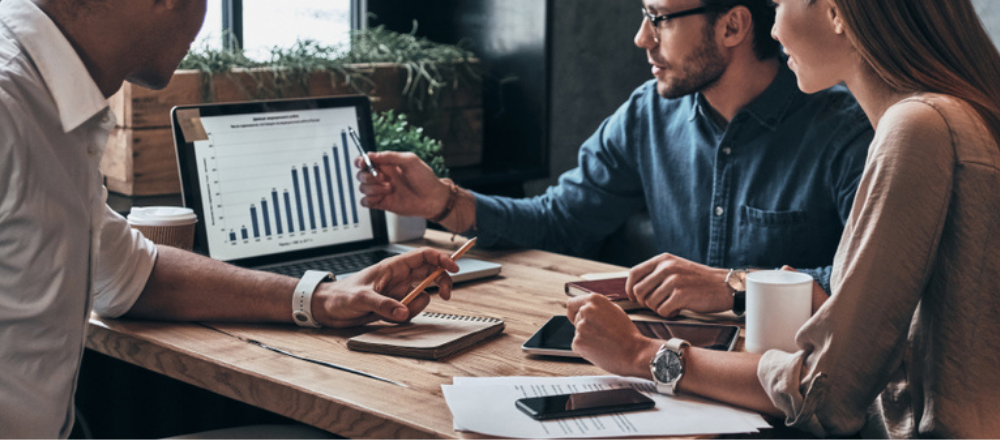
778, 303
165, 225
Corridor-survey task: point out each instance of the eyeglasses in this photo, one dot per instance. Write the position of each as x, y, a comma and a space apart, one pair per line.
655, 20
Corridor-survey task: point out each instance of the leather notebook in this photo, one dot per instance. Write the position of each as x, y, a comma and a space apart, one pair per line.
612, 288
428, 336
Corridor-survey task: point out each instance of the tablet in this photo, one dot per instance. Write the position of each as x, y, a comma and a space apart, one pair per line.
556, 336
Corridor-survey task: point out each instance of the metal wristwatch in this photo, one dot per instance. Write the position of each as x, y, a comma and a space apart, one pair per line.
736, 281
667, 366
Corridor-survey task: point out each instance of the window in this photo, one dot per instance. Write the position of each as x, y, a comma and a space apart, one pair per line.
211, 30
258, 25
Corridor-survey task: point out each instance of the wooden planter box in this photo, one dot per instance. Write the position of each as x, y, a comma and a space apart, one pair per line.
140, 157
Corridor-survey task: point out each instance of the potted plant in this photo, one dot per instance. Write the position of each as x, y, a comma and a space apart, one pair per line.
439, 86
393, 132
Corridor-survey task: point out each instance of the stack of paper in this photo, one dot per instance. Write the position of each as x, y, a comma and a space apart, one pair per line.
486, 406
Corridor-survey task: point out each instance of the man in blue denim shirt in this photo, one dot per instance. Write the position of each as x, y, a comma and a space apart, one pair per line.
735, 165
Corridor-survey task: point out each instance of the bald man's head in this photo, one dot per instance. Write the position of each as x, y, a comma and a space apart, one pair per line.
138, 40
75, 6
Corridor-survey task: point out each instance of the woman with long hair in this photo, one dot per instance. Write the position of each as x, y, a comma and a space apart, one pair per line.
905, 346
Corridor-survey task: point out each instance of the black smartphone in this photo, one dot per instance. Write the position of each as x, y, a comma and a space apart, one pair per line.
556, 336
584, 404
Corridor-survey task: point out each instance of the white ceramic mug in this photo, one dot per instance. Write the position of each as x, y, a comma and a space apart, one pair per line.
166, 225
778, 303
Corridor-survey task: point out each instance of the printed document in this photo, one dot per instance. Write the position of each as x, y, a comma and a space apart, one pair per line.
486, 406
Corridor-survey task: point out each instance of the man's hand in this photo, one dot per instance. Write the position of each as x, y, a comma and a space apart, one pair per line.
374, 293
667, 284
405, 185
606, 337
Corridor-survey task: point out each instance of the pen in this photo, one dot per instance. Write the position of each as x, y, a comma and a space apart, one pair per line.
357, 143
433, 276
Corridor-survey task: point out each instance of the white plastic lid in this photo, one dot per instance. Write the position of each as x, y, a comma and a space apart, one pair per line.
162, 216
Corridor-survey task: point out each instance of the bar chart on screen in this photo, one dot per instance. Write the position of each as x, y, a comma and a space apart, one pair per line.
277, 182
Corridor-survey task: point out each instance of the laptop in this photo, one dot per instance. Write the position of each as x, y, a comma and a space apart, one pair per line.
275, 189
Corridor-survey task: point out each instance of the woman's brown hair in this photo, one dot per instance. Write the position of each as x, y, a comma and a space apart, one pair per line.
938, 46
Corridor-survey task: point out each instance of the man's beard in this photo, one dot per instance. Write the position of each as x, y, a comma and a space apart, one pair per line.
700, 70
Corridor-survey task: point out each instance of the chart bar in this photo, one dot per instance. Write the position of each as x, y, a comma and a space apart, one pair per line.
340, 183
350, 179
298, 199
267, 217
277, 210
309, 198
288, 213
253, 218
319, 197
329, 189
325, 190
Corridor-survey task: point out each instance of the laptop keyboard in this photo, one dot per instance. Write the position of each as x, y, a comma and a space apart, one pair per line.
339, 264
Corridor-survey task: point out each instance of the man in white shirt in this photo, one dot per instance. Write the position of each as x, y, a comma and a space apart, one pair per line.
63, 252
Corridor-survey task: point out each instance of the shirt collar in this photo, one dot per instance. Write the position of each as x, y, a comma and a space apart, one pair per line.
696, 106
768, 108
75, 93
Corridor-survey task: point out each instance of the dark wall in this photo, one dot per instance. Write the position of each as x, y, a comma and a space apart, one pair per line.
595, 66
575, 64
510, 38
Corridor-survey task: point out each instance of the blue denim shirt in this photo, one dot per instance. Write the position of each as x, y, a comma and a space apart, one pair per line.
774, 187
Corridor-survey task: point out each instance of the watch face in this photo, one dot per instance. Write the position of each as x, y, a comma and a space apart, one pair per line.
667, 366
738, 280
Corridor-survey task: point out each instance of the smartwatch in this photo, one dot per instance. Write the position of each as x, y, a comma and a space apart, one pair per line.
736, 281
302, 298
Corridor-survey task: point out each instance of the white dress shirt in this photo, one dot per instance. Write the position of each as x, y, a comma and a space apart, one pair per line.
63, 252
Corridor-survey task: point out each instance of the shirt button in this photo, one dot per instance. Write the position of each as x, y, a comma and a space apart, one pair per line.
727, 151
719, 210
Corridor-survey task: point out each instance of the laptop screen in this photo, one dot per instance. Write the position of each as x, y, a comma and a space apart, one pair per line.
276, 178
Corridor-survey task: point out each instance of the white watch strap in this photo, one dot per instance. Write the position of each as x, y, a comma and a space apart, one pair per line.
676, 345
302, 299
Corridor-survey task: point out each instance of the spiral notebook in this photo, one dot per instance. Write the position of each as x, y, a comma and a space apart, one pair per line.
428, 336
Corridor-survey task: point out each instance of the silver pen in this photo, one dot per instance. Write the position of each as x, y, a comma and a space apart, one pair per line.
357, 143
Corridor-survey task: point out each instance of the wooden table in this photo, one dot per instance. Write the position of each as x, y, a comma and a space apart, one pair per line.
527, 293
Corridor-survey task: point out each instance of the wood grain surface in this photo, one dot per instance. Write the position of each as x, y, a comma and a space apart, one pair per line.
219, 358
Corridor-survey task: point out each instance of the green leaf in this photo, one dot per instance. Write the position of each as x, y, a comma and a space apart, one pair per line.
394, 133
429, 66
